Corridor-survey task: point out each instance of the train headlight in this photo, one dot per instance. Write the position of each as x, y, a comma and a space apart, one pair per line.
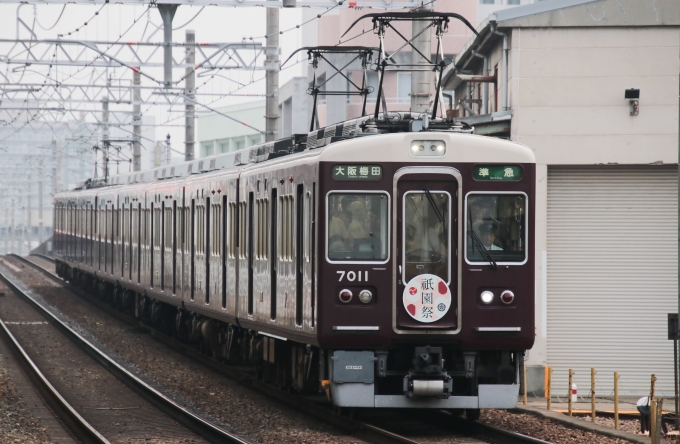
345, 296
486, 297
365, 296
428, 148
507, 297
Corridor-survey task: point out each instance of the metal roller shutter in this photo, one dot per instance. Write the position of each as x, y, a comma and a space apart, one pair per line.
612, 276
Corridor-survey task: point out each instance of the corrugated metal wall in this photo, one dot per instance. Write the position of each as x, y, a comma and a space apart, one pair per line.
612, 276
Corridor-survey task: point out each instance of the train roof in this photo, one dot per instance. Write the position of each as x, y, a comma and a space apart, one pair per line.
399, 126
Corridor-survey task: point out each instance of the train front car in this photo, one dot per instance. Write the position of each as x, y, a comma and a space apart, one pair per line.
426, 270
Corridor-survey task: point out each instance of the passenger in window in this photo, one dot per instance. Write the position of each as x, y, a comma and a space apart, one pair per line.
487, 231
410, 238
345, 213
357, 228
338, 236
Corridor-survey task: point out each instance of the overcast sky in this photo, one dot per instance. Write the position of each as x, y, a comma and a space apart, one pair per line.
213, 24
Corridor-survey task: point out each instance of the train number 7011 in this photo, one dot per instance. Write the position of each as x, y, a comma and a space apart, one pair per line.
353, 276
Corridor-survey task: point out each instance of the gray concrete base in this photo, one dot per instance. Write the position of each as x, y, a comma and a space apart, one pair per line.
536, 381
583, 425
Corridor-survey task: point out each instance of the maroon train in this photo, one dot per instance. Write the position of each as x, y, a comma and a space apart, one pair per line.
394, 268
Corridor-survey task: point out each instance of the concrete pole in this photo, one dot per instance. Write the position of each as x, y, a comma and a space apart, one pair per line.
190, 92
167, 14
29, 218
157, 155
168, 151
13, 238
41, 226
272, 109
421, 81
137, 121
105, 135
20, 228
7, 226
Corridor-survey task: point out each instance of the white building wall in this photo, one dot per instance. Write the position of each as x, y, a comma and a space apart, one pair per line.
567, 97
219, 134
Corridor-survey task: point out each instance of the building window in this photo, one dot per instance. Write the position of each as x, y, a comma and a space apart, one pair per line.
240, 144
404, 87
373, 83
514, 2
486, 2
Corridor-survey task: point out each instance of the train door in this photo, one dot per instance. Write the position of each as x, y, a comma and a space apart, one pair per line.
427, 212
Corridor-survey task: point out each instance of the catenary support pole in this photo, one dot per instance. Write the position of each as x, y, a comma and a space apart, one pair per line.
421, 81
272, 108
190, 92
29, 214
41, 223
167, 14
105, 135
137, 121
14, 229
7, 228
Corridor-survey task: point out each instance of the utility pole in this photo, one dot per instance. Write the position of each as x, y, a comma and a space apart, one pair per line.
105, 133
272, 108
167, 14
190, 92
168, 154
421, 81
29, 219
11, 248
41, 227
7, 227
137, 121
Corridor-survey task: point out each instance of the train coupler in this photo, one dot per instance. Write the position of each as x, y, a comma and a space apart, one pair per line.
428, 388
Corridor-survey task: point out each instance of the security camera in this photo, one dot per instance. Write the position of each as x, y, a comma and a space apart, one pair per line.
633, 97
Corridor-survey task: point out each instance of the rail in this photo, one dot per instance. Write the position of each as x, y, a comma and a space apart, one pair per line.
368, 432
206, 430
75, 424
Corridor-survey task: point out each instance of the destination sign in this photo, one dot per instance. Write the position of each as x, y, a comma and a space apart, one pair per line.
356, 172
497, 172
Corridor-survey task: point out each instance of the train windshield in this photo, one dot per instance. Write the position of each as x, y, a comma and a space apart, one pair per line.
357, 227
426, 234
496, 228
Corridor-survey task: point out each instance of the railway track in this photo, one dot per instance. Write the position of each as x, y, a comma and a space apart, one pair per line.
457, 430
149, 410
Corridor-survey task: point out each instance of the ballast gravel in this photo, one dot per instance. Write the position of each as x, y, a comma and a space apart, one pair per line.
17, 424
253, 416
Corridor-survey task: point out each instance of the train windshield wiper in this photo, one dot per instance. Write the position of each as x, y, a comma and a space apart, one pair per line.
482, 249
434, 206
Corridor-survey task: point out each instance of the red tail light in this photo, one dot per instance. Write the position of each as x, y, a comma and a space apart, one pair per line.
345, 296
507, 297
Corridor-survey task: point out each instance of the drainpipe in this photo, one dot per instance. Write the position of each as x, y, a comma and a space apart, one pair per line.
505, 65
485, 86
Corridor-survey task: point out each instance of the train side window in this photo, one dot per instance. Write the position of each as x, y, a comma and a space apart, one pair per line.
287, 227
231, 243
497, 223
357, 227
135, 228
168, 228
157, 228
242, 230
215, 235
262, 238
200, 229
